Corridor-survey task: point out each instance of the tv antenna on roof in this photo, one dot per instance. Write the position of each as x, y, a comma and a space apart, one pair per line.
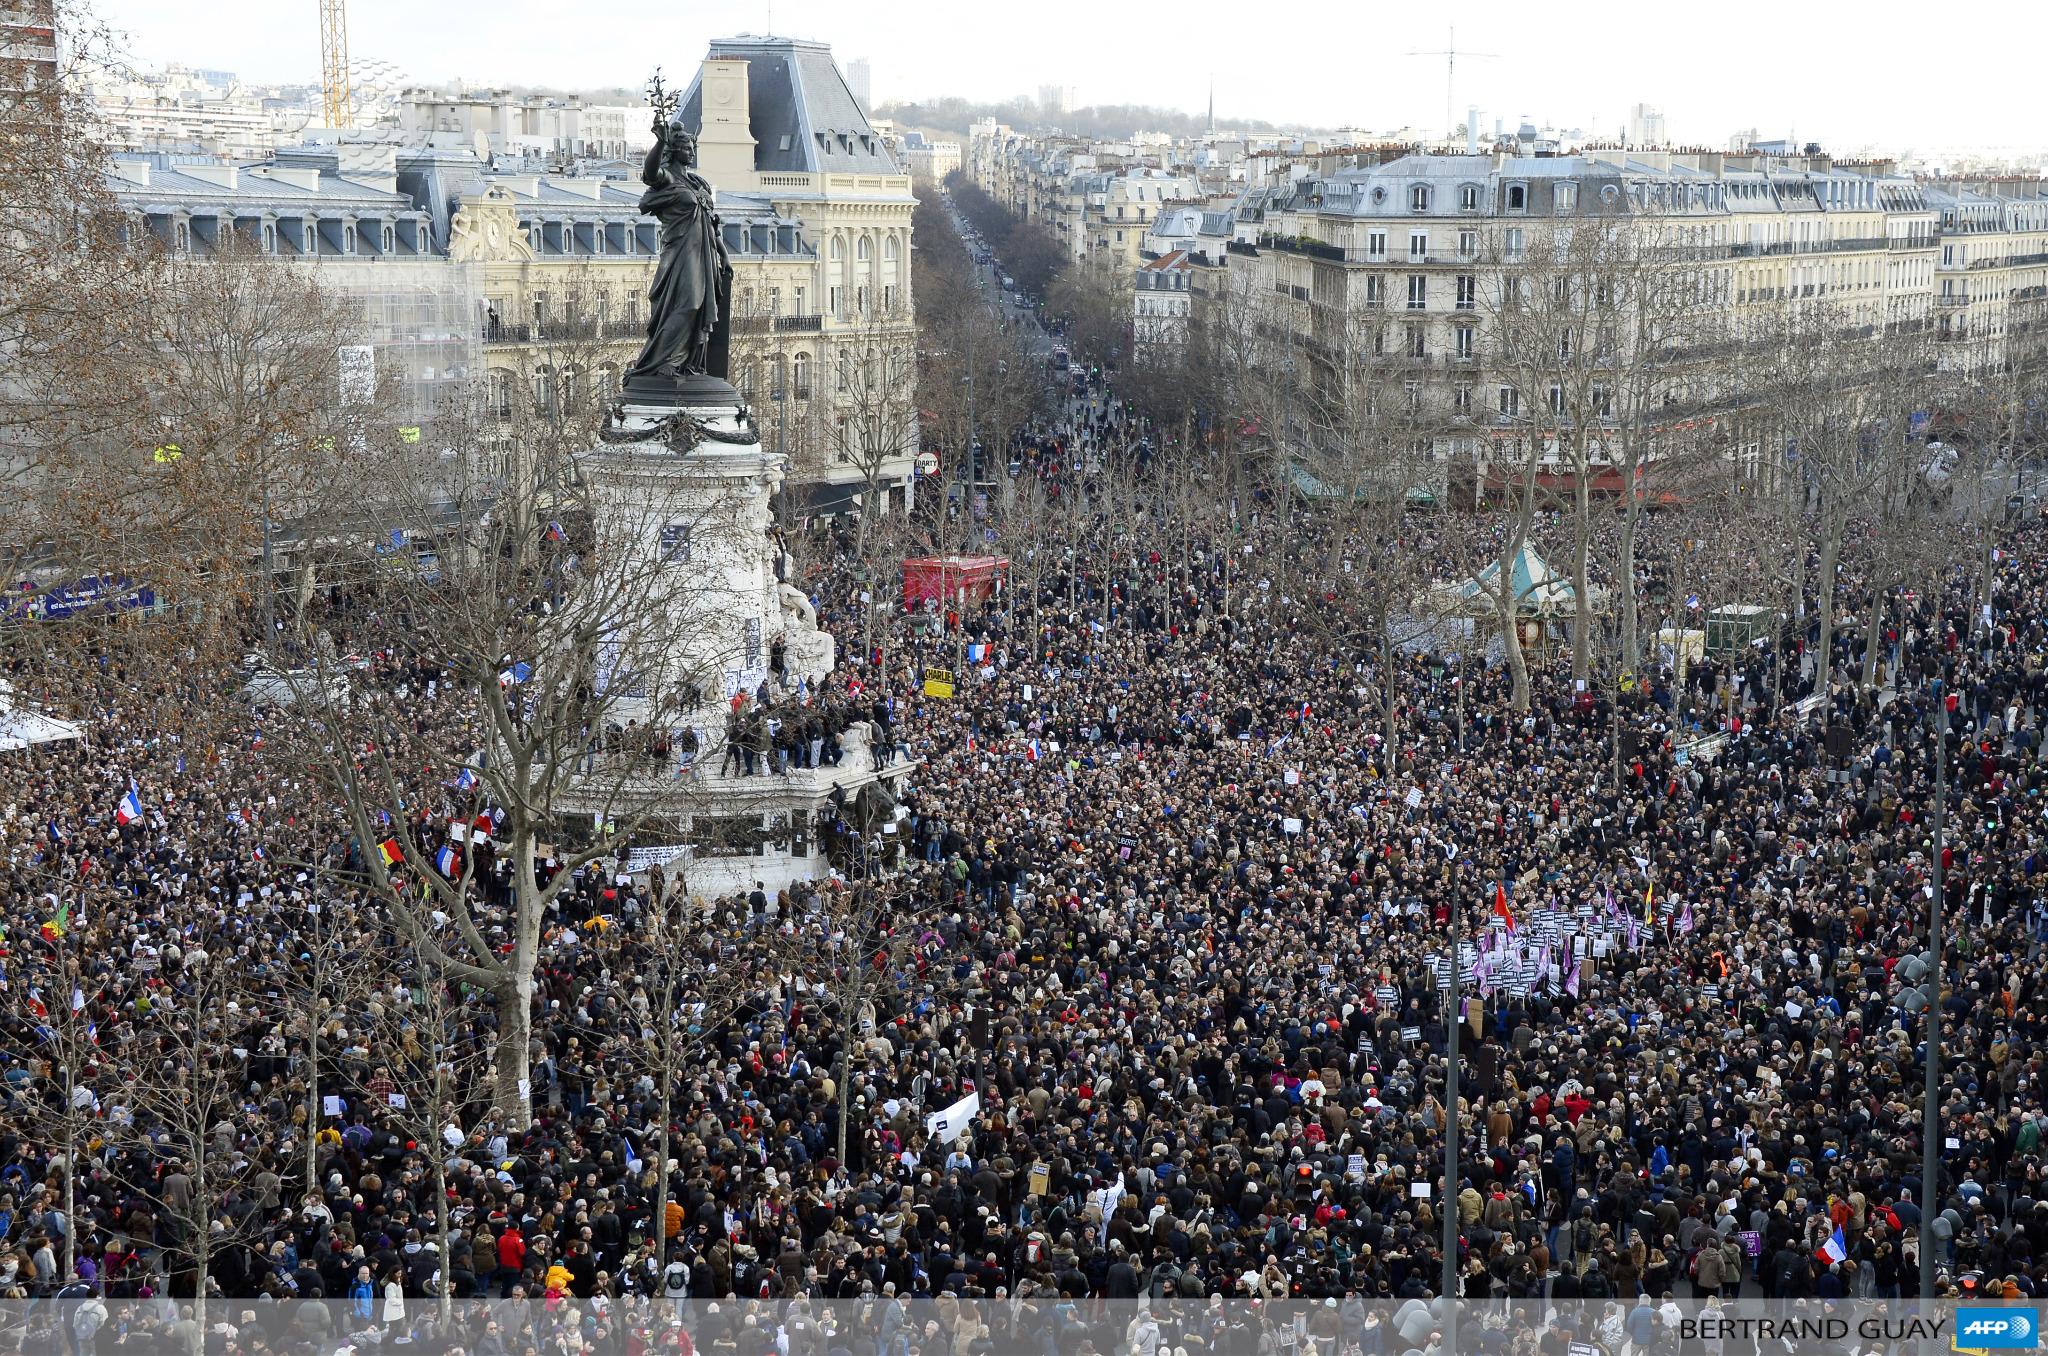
1450, 54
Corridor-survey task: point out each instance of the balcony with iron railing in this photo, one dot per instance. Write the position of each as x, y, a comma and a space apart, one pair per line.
562, 331
1755, 249
1314, 249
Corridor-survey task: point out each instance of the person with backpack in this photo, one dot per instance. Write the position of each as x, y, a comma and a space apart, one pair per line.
83, 1324
675, 1278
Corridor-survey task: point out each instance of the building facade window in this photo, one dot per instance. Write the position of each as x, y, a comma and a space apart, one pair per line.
1462, 341
1376, 246
1418, 198
1418, 291
1418, 246
1468, 291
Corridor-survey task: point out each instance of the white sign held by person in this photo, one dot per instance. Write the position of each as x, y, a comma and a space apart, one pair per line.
946, 1126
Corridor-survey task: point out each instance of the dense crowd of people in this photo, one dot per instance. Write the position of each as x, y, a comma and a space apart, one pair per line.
1172, 904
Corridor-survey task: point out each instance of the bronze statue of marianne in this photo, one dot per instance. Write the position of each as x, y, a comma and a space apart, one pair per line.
688, 327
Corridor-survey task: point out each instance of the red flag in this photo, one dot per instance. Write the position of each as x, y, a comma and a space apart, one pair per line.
1500, 906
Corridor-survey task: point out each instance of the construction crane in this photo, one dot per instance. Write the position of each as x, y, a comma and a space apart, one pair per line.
1450, 54
336, 99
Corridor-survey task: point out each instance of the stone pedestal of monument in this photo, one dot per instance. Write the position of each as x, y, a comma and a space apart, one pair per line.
693, 484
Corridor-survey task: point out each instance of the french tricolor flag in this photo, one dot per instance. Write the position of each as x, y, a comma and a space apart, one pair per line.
465, 780
130, 808
447, 862
1031, 751
1836, 1249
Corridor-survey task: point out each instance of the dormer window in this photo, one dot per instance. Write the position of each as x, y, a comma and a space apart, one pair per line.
1518, 197
1418, 198
1468, 198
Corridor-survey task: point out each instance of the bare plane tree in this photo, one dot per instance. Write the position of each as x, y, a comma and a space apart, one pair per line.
516, 722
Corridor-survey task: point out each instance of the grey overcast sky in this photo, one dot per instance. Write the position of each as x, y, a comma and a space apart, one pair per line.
1851, 75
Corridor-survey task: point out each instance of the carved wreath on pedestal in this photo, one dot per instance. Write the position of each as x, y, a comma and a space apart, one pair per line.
682, 431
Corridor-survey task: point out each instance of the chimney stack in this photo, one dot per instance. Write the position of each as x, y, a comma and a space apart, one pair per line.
725, 141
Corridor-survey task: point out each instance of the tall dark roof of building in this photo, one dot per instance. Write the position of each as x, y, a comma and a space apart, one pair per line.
805, 119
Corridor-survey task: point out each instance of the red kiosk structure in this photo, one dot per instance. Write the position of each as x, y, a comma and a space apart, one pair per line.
953, 581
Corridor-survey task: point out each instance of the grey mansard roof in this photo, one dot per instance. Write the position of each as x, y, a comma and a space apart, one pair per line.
804, 118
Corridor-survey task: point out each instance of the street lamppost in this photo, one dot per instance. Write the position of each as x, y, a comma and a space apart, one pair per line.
1930, 1111
1449, 1206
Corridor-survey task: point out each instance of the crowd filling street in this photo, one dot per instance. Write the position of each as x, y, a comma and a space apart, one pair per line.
1177, 899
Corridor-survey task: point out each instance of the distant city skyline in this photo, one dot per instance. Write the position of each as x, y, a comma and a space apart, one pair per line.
1711, 72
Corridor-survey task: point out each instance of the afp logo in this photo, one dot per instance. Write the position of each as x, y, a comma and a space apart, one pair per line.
2004, 1329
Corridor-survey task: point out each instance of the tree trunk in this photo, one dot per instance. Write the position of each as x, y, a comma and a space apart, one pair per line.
1518, 664
515, 1036
1507, 605
1824, 589
1797, 610
1582, 538
845, 1081
1389, 687
1873, 634
313, 1091
514, 989
662, 1148
849, 1022
69, 1261
202, 1238
1631, 640
445, 1291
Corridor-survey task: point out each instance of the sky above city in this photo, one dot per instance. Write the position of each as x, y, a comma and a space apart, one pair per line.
1877, 78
